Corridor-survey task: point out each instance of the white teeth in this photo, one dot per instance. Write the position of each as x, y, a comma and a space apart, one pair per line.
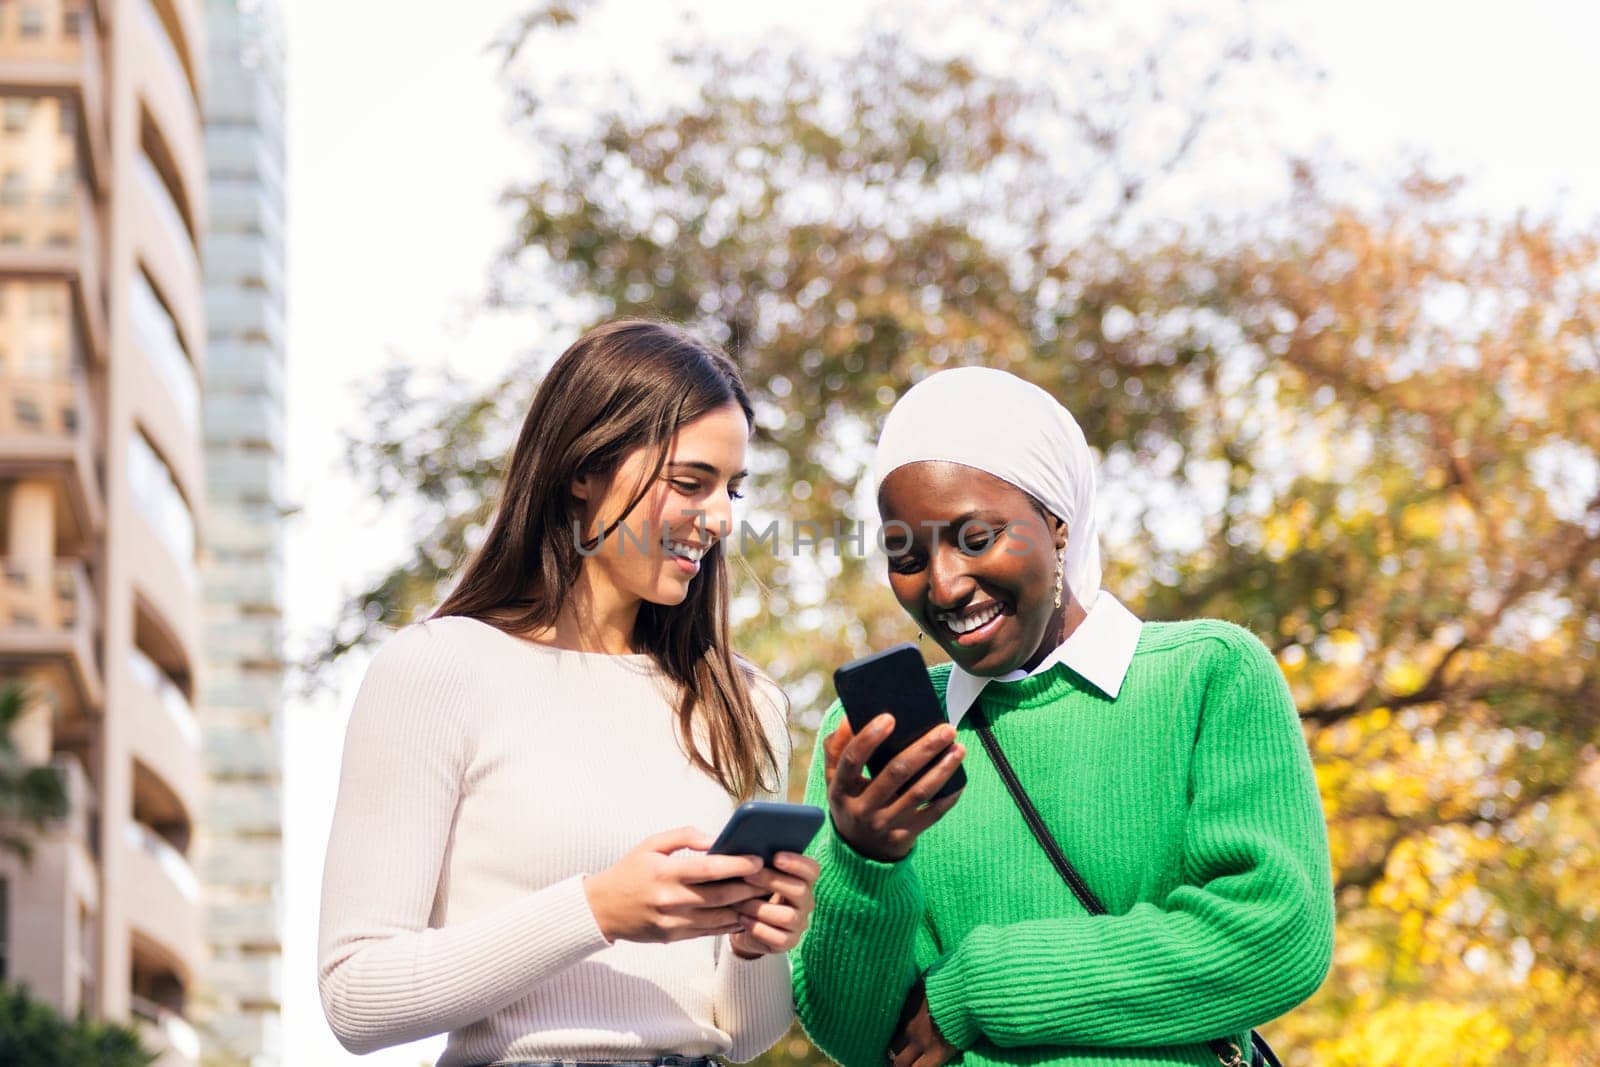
693, 553
966, 626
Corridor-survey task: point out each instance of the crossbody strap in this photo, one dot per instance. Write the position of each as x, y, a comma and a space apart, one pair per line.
1227, 1053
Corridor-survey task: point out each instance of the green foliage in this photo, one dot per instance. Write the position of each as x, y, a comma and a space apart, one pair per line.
33, 1034
29, 796
1370, 434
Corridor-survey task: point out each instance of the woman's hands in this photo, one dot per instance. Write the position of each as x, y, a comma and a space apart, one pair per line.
867, 812
918, 1042
775, 922
652, 895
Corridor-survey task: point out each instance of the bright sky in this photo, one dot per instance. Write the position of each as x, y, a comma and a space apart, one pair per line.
398, 152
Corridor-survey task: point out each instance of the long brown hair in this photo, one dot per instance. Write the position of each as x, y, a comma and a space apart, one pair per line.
622, 386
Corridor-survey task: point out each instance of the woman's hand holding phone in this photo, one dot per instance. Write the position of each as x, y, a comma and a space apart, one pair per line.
872, 814
652, 895
775, 921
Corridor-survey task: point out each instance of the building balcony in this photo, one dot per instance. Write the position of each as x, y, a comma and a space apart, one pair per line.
249, 1031
166, 405
166, 251
51, 234
47, 614
165, 1032
169, 98
162, 900
246, 261
54, 46
158, 992
46, 431
165, 736
166, 594
166, 212
241, 208
183, 42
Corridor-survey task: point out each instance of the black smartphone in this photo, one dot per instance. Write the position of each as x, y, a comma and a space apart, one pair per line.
767, 827
894, 681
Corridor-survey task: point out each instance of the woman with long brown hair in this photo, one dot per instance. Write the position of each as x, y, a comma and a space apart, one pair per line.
532, 776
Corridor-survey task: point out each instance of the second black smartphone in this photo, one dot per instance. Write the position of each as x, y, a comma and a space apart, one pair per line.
767, 827
894, 681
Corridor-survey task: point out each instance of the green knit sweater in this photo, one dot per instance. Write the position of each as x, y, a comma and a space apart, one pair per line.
1189, 806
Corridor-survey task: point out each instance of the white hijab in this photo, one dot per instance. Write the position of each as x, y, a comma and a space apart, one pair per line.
997, 423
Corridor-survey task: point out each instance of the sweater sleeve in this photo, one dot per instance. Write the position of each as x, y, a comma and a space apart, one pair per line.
1248, 935
753, 1003
387, 974
856, 962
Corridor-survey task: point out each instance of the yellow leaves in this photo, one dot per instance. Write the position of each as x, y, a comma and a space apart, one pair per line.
1404, 675
1347, 644
1428, 1033
1422, 522
1407, 890
1407, 796
1281, 536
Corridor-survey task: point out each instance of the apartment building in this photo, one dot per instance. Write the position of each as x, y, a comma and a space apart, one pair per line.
102, 334
242, 684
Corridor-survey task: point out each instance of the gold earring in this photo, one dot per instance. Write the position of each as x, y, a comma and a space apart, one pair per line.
1061, 572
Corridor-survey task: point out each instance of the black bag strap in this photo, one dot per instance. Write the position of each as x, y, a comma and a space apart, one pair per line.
1227, 1053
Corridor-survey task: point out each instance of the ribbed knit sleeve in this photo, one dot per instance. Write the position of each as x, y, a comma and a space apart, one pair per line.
1247, 935
385, 977
856, 962
753, 1002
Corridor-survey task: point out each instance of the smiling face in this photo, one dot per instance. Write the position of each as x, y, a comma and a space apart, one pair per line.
973, 560
657, 549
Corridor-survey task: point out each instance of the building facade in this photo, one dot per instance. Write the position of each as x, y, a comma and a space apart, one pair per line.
241, 690
104, 618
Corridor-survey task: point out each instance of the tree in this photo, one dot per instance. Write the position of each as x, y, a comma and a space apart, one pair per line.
33, 1034
1371, 434
29, 796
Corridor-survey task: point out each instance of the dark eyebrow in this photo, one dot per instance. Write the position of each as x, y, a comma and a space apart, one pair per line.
706, 468
992, 519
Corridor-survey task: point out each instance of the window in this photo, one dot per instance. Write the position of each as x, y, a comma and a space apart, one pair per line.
28, 415
72, 19
30, 20
13, 189
18, 110
41, 361
62, 187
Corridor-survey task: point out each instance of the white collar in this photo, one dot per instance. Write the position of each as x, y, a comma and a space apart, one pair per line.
1100, 650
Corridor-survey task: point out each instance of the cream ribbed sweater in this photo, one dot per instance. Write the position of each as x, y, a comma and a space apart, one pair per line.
483, 777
